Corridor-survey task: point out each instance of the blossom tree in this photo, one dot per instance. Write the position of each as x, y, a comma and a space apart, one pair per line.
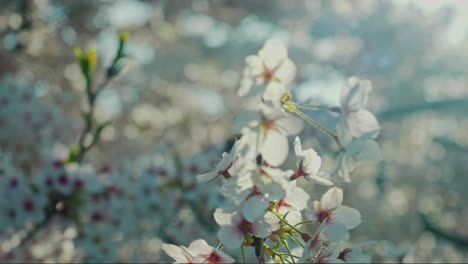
268, 210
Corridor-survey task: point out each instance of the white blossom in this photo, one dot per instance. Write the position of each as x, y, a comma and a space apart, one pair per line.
234, 227
270, 65
309, 162
198, 252
338, 218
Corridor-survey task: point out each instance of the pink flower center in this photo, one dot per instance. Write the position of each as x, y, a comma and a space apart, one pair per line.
282, 203
324, 215
245, 227
299, 172
225, 172
213, 258
269, 74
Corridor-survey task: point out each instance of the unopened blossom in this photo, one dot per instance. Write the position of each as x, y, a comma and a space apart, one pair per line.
308, 165
338, 218
228, 166
355, 120
234, 227
270, 65
198, 252
269, 137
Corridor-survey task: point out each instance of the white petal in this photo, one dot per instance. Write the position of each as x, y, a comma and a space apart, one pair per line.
311, 211
297, 198
174, 252
290, 125
332, 198
273, 53
199, 246
222, 218
312, 162
297, 146
207, 176
370, 152
254, 207
286, 72
274, 148
336, 231
274, 191
320, 178
254, 65
354, 94
362, 122
293, 217
262, 228
348, 216
225, 258
230, 236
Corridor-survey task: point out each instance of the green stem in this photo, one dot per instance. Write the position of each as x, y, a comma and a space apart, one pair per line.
285, 244
286, 222
284, 254
305, 222
293, 109
297, 240
243, 254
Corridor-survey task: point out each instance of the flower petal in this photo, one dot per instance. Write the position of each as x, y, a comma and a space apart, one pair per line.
354, 94
332, 199
230, 236
222, 218
207, 176
174, 252
362, 122
275, 148
348, 216
254, 207
290, 125
336, 231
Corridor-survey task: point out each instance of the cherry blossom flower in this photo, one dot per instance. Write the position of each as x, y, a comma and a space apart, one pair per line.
234, 227
355, 120
270, 65
227, 167
309, 162
270, 137
293, 203
268, 185
338, 218
198, 252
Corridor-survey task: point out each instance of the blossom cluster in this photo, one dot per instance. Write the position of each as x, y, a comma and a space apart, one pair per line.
268, 208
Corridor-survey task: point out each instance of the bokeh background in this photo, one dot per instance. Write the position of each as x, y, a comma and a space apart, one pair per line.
176, 97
